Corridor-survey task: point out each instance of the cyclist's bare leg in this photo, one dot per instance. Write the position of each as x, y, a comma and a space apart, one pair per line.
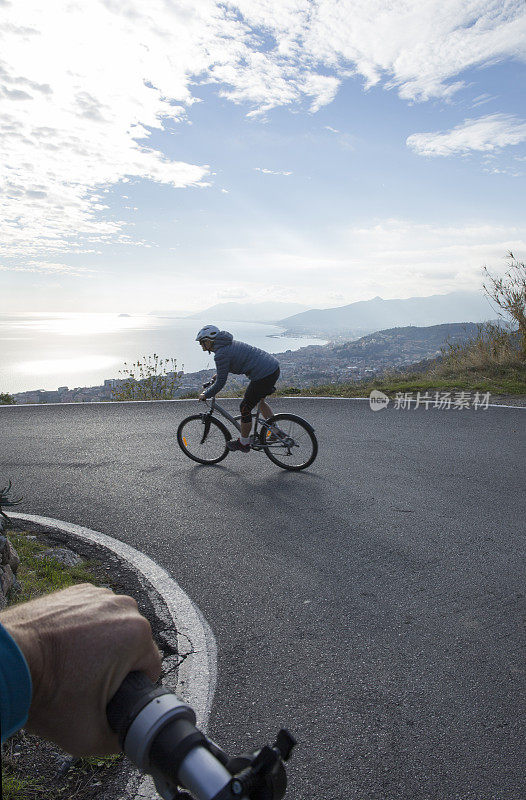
265, 409
266, 412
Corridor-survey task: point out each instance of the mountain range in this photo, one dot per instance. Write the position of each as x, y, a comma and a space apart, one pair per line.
366, 316
355, 319
269, 311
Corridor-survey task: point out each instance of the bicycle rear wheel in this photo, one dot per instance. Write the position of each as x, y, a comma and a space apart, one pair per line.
295, 447
203, 439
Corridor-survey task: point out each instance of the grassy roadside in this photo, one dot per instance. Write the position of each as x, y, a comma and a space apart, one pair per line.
38, 576
29, 763
414, 382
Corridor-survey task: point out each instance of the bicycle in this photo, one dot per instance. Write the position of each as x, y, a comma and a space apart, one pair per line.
157, 732
288, 440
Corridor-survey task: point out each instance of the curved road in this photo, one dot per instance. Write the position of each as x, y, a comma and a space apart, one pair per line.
374, 604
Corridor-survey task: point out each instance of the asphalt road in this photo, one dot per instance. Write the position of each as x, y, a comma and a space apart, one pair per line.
374, 604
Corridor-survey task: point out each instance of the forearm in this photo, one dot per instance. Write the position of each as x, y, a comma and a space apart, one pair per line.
218, 383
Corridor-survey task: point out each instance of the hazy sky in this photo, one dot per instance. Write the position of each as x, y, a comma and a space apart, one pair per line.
166, 154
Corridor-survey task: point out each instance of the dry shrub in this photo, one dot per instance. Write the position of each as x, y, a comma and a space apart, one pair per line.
509, 293
152, 378
493, 350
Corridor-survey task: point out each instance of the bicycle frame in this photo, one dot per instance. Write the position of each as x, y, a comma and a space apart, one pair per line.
279, 435
214, 406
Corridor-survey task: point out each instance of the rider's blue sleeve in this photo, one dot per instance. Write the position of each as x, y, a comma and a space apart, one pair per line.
222, 363
15, 686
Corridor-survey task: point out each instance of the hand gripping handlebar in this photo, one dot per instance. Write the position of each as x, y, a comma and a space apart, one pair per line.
157, 732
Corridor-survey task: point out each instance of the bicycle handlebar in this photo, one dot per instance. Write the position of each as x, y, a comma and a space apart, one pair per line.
157, 732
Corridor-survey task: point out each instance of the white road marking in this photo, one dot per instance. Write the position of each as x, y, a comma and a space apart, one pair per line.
196, 679
194, 400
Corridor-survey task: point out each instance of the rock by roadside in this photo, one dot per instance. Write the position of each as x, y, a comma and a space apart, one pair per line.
61, 554
43, 760
9, 563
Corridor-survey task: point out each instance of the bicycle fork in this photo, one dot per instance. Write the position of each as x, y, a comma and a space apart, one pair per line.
206, 423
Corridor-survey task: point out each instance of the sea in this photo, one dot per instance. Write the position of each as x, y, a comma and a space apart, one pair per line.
48, 350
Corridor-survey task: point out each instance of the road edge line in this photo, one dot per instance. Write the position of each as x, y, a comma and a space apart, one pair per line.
194, 399
197, 674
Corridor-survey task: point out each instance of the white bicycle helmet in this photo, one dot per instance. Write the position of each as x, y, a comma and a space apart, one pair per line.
208, 332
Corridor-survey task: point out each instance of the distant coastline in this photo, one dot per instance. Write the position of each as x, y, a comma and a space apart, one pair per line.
303, 335
43, 352
82, 349
310, 365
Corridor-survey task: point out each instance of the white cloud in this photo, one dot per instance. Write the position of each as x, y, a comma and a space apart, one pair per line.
266, 171
47, 268
404, 256
481, 100
511, 173
78, 102
82, 85
485, 134
323, 89
392, 258
417, 46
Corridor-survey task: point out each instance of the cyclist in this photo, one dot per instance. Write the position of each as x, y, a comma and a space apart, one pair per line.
240, 358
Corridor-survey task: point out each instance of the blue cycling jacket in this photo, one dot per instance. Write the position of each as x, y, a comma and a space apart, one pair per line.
15, 686
241, 359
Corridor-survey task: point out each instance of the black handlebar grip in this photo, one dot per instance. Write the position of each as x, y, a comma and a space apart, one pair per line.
134, 693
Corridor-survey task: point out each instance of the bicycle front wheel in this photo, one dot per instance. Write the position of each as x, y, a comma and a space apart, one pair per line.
203, 440
294, 447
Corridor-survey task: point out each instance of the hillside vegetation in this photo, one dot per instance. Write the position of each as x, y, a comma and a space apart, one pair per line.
489, 361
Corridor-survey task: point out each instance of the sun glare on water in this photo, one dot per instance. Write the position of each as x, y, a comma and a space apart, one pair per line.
81, 324
66, 366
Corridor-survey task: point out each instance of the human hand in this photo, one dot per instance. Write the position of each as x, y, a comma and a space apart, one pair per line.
80, 643
201, 396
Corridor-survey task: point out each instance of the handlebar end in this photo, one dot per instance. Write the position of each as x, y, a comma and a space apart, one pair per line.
285, 743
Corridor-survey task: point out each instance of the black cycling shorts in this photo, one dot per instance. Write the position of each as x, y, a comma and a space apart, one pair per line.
257, 390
